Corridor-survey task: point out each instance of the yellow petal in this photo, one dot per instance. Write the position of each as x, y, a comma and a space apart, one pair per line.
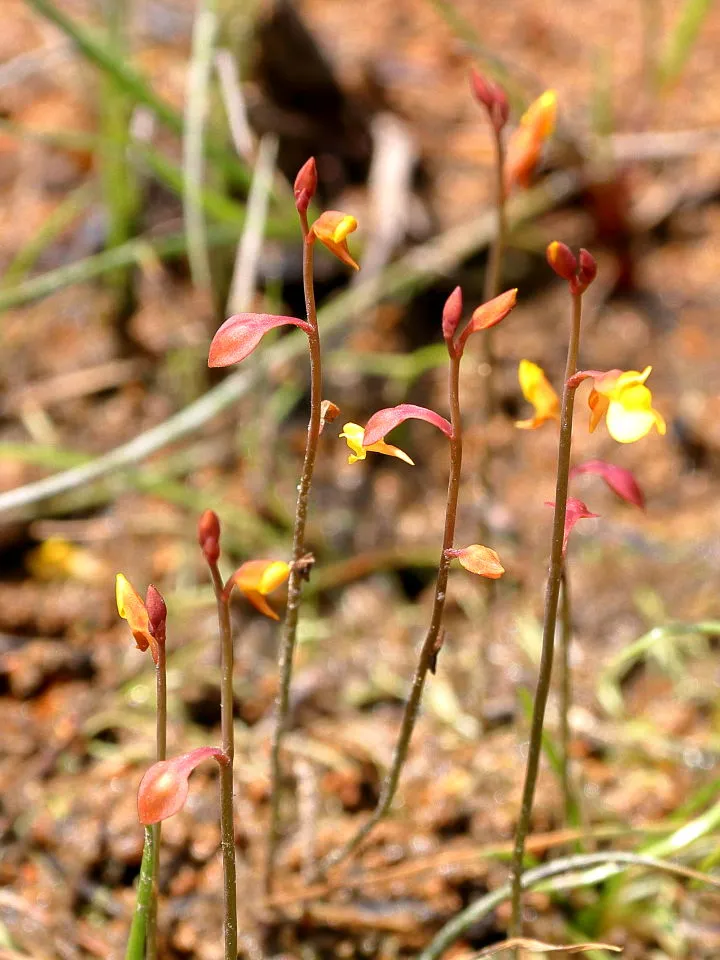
540, 116
332, 229
630, 414
260, 576
276, 574
390, 451
538, 391
132, 609
353, 435
261, 604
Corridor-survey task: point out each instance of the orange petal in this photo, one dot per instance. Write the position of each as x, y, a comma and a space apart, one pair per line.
260, 603
479, 560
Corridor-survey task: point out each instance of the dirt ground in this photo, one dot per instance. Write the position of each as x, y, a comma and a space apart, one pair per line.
81, 377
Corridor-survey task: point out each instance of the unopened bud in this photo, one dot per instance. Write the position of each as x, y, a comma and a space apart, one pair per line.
587, 269
452, 313
492, 96
305, 185
209, 535
562, 260
157, 613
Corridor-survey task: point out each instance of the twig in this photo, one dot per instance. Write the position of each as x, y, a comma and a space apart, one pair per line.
413, 272
235, 108
477, 911
249, 249
196, 110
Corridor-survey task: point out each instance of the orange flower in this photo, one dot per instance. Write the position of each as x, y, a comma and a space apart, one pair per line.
257, 578
538, 391
131, 608
526, 143
332, 229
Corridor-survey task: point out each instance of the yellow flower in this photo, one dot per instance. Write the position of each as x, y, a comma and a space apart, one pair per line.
131, 608
354, 435
332, 229
538, 391
257, 578
626, 403
525, 145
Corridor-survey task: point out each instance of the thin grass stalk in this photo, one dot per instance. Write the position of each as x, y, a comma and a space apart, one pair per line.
552, 595
227, 825
288, 639
432, 641
137, 938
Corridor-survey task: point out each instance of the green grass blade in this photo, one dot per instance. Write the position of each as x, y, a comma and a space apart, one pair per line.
138, 930
679, 45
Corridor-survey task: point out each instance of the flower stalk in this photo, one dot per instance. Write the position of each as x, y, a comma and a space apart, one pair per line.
569, 799
552, 595
298, 570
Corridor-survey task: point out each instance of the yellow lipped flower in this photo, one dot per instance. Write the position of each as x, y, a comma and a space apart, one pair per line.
353, 434
526, 143
538, 391
626, 403
131, 607
255, 579
332, 229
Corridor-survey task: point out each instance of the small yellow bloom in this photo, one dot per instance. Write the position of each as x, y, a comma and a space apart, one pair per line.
58, 559
332, 229
131, 608
257, 578
626, 403
525, 145
354, 435
538, 391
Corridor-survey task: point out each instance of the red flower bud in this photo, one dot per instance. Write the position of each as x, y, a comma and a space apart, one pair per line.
209, 535
587, 269
157, 613
452, 312
492, 96
305, 185
164, 788
562, 260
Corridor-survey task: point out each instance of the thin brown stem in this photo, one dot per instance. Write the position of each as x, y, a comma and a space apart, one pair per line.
160, 754
289, 632
565, 697
552, 594
432, 641
227, 826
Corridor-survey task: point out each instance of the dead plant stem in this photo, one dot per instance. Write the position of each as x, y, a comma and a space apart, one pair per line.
552, 595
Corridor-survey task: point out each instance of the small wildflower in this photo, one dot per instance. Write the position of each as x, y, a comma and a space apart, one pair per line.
526, 143
621, 481
538, 391
575, 510
131, 608
579, 271
479, 560
240, 335
164, 788
58, 559
626, 403
332, 229
354, 436
255, 579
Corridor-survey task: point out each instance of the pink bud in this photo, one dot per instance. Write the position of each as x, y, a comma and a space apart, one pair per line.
164, 788
562, 260
157, 613
492, 96
305, 185
209, 536
452, 312
587, 270
621, 481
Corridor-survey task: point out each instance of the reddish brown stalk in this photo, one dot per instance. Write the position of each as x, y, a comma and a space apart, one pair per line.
160, 754
297, 572
431, 644
552, 595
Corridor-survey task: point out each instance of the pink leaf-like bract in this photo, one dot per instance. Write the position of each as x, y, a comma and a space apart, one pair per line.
238, 336
575, 510
164, 788
621, 481
382, 422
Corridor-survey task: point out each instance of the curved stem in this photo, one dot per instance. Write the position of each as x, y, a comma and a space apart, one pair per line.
552, 594
160, 754
289, 632
433, 638
227, 826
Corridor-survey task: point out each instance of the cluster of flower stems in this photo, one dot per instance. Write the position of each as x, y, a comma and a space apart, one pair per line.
619, 396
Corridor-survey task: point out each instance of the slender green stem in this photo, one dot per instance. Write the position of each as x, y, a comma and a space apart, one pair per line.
160, 754
433, 638
135, 949
227, 828
552, 595
289, 632
566, 698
